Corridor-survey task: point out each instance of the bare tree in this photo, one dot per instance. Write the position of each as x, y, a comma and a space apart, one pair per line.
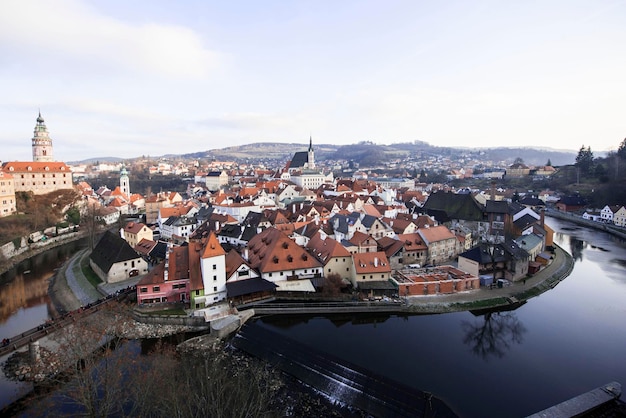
495, 335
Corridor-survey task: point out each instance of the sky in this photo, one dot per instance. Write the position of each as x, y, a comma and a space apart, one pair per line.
130, 78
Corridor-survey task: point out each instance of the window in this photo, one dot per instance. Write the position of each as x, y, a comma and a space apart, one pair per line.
156, 288
143, 290
215, 288
214, 278
214, 266
197, 293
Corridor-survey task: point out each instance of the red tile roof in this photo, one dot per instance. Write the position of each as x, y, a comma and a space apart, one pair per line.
272, 250
366, 263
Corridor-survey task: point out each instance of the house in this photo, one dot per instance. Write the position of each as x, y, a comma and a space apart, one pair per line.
151, 251
445, 206
107, 215
216, 180
372, 272
491, 262
8, 205
594, 215
517, 170
441, 242
364, 243
619, 217
414, 249
394, 250
134, 232
243, 283
113, 260
571, 203
168, 281
607, 213
334, 256
278, 258
532, 244
401, 225
485, 261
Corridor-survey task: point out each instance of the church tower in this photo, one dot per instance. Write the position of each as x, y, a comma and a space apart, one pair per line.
311, 155
124, 182
42, 144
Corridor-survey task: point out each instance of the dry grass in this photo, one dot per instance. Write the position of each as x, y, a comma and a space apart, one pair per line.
36, 213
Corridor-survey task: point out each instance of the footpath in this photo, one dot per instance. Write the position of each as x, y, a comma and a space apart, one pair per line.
71, 290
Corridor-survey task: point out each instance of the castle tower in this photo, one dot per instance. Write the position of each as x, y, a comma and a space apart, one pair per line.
42, 144
124, 182
311, 154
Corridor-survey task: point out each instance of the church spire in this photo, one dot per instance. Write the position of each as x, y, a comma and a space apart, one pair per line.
311, 155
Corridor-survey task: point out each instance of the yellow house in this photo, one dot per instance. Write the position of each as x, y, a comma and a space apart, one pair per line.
619, 217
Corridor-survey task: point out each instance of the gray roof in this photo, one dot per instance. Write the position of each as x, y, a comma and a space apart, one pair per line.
112, 249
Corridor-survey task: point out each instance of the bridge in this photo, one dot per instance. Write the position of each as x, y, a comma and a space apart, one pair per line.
12, 344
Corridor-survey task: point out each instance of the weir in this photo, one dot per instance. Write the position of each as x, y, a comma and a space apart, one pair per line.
339, 380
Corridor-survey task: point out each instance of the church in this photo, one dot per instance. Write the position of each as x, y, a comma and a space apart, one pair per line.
43, 174
302, 170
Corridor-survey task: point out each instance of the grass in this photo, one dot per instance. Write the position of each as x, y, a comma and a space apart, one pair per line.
88, 272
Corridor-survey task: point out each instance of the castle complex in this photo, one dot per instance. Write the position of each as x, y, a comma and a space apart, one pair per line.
40, 176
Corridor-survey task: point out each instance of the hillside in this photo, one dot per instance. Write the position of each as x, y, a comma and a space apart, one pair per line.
369, 153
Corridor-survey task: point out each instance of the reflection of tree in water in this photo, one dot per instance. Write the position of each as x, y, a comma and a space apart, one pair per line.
495, 335
576, 246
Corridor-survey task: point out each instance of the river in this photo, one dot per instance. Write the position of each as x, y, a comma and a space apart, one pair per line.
25, 304
556, 346
567, 341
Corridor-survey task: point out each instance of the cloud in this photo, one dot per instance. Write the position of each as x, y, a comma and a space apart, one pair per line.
67, 30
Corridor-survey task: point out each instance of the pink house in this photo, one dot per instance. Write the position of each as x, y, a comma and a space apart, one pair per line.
168, 281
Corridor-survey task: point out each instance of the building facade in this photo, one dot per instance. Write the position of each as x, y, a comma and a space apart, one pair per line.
7, 194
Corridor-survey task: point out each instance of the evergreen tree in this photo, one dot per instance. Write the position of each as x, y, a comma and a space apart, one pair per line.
584, 160
621, 151
549, 163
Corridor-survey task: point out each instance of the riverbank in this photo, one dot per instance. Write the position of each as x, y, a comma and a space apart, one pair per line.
599, 226
8, 264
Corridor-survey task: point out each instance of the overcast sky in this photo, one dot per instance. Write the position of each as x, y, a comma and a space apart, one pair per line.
130, 78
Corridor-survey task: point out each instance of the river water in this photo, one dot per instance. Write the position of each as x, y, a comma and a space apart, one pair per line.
567, 341
25, 304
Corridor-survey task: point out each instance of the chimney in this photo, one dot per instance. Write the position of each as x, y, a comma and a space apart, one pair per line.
542, 217
493, 191
375, 261
245, 254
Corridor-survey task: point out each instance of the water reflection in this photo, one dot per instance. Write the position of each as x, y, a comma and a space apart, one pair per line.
493, 334
576, 248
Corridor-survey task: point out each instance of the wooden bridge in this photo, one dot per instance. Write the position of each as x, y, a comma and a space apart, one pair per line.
15, 343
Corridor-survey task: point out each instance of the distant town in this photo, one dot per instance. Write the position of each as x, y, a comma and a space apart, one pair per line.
238, 232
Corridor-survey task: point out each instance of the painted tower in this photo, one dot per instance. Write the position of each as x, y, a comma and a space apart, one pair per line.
311, 155
124, 182
42, 144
